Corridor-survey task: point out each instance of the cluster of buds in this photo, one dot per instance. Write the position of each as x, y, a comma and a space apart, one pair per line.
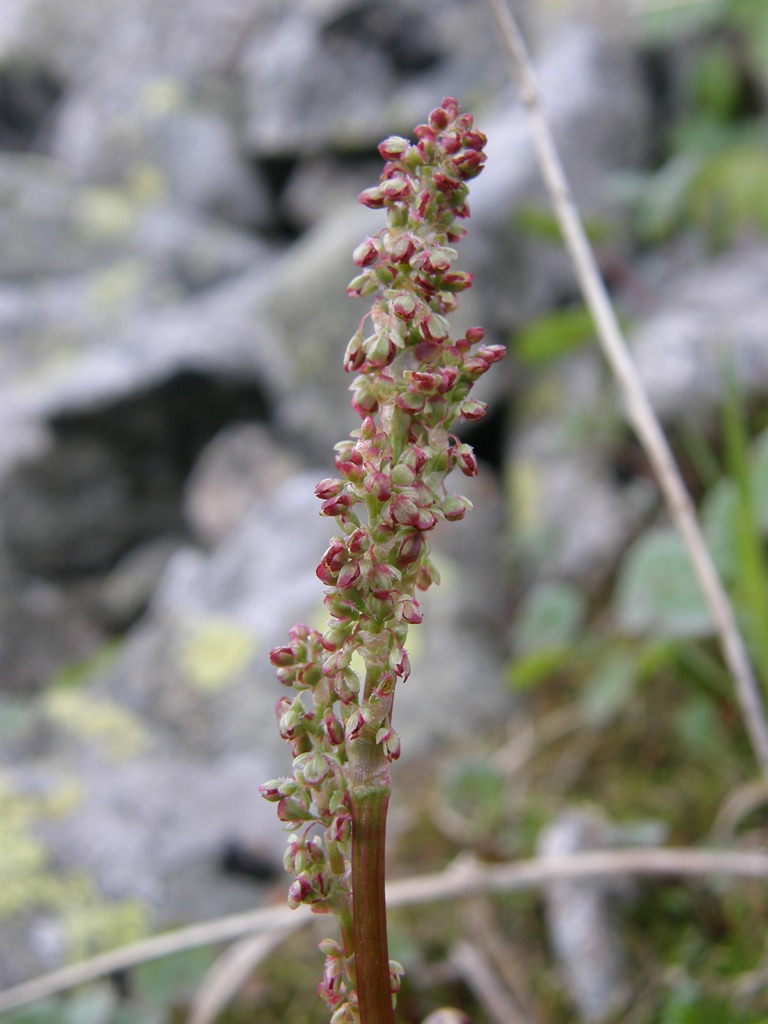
413, 382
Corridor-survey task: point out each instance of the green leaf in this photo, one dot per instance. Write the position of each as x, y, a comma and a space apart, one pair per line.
550, 617
759, 478
657, 592
532, 669
719, 522
554, 335
171, 978
699, 727
610, 689
94, 1005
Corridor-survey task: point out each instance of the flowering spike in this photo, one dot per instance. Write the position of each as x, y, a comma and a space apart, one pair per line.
413, 381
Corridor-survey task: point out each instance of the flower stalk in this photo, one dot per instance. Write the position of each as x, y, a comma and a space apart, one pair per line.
412, 384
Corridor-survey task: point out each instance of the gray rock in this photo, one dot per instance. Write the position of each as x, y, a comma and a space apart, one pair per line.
342, 76
199, 157
582, 918
596, 103
240, 465
709, 320
126, 591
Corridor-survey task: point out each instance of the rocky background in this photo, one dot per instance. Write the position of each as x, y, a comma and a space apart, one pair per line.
177, 214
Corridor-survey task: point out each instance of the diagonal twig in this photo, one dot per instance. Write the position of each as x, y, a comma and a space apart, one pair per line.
639, 410
464, 878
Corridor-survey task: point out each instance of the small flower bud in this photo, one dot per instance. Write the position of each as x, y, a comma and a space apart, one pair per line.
336, 506
394, 147
454, 507
411, 612
299, 891
379, 485
474, 334
333, 729
465, 459
366, 253
271, 790
404, 307
395, 188
328, 488
438, 119
373, 198
472, 410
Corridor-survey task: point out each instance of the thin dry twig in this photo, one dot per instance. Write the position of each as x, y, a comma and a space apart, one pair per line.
231, 970
470, 963
466, 877
639, 409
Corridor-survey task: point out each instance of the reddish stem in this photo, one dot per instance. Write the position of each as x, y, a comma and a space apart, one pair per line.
370, 799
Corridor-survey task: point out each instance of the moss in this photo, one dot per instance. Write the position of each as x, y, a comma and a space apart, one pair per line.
116, 730
214, 653
97, 926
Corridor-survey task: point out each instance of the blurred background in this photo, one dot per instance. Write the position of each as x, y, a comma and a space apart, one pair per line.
178, 183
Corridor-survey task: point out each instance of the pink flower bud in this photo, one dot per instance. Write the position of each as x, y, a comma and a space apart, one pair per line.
379, 485
410, 549
456, 281
472, 410
438, 119
404, 307
411, 402
325, 574
382, 579
395, 188
368, 429
328, 488
373, 198
336, 506
333, 729
404, 511
394, 147
448, 377
451, 142
358, 542
341, 829
355, 724
465, 459
388, 738
492, 353
446, 184
346, 686
469, 163
454, 507
474, 335
403, 247
271, 790
299, 891
411, 612
366, 253
475, 139
348, 576
282, 657
451, 107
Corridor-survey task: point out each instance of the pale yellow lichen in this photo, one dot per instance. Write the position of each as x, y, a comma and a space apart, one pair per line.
105, 214
214, 652
95, 928
115, 729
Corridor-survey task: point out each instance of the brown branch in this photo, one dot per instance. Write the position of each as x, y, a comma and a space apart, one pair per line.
464, 878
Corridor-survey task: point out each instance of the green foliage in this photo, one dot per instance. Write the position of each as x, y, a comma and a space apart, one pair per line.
554, 335
657, 592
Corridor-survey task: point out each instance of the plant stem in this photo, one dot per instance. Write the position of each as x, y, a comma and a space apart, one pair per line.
370, 799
